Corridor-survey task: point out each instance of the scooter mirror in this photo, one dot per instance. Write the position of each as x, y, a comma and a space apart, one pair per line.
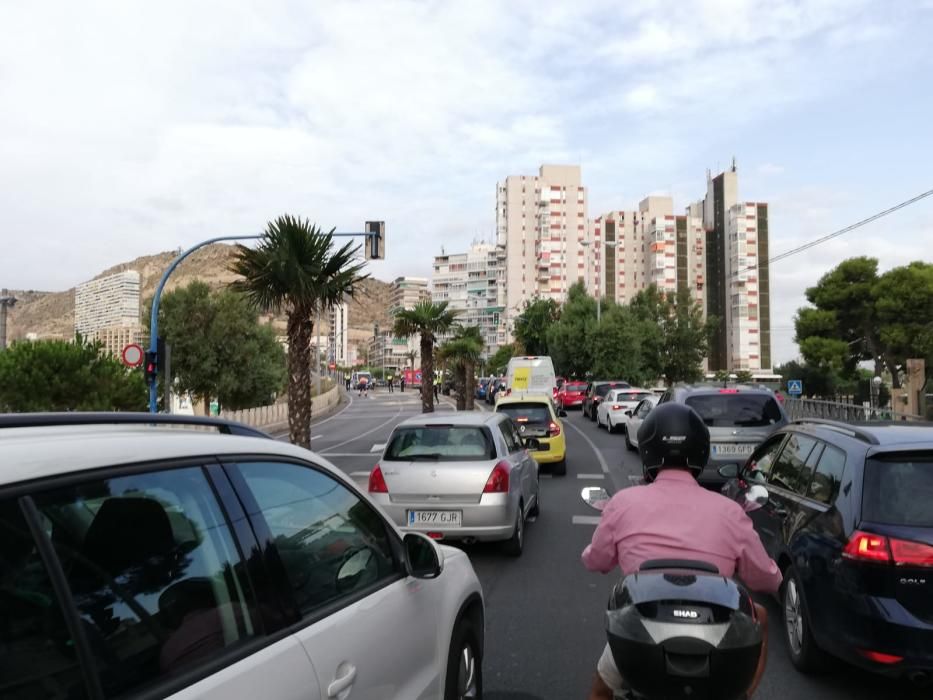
595, 496
756, 496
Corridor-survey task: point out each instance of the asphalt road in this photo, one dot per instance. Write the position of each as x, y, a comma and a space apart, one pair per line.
544, 611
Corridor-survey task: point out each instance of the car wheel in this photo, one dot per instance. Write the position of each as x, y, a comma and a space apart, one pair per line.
464, 665
804, 653
559, 468
536, 508
609, 426
516, 543
628, 440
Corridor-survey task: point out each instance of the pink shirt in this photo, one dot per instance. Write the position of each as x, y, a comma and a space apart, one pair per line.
676, 518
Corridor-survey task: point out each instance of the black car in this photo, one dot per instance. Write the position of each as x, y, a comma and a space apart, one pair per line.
596, 392
494, 387
848, 517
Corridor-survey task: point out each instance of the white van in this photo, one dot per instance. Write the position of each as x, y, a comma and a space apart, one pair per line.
531, 374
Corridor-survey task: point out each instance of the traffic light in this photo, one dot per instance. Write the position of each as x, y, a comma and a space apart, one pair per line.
375, 240
151, 367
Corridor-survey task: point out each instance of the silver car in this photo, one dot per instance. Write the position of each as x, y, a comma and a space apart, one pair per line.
463, 476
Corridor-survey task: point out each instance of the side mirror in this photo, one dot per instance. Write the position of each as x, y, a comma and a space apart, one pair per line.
756, 496
595, 497
729, 471
422, 558
562, 413
532, 443
628, 413
358, 569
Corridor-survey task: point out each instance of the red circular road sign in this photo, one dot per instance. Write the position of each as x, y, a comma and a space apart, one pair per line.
132, 355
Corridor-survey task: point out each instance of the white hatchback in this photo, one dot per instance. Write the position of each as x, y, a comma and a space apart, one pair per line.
142, 558
613, 411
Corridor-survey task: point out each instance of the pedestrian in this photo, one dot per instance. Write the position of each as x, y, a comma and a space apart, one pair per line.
364, 386
402, 383
346, 378
391, 384
437, 388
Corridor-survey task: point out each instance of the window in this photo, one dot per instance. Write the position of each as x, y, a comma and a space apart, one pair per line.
532, 413
37, 658
729, 410
154, 573
330, 541
760, 464
447, 443
898, 490
789, 468
512, 441
824, 486
644, 408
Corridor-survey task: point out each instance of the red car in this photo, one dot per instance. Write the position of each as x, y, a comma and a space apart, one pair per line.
571, 394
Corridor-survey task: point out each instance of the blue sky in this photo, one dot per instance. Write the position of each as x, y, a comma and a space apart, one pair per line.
136, 127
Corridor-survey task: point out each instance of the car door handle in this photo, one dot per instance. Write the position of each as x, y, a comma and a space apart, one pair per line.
339, 685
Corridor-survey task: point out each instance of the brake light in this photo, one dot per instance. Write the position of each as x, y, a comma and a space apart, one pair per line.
377, 482
879, 657
728, 391
878, 548
616, 407
498, 481
911, 553
553, 429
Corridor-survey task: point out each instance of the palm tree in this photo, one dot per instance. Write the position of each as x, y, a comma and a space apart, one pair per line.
296, 269
463, 351
427, 320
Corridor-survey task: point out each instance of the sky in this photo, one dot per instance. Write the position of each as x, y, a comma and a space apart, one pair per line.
129, 128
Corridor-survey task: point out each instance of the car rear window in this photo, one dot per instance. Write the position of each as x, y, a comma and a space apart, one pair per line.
448, 443
736, 410
575, 386
899, 491
604, 389
632, 395
534, 413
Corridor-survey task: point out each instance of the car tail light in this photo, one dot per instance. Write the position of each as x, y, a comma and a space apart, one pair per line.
498, 481
553, 429
616, 407
880, 657
866, 546
728, 391
436, 535
377, 482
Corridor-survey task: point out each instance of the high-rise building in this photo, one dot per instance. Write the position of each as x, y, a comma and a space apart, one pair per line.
107, 309
541, 224
408, 292
470, 283
339, 336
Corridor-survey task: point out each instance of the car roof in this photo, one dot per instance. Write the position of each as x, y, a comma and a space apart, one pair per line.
30, 453
460, 418
877, 436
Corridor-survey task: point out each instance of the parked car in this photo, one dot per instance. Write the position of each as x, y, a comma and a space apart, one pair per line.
739, 418
142, 558
635, 417
846, 515
596, 391
459, 476
538, 417
571, 394
611, 412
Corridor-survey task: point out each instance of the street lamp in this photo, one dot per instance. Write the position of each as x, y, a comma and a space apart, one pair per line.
606, 244
875, 392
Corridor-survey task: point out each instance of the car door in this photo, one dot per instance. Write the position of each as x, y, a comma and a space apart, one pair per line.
756, 471
638, 417
371, 632
519, 459
787, 482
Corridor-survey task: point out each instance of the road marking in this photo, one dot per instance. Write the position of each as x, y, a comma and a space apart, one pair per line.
377, 447
591, 476
585, 520
349, 403
362, 435
316, 437
599, 455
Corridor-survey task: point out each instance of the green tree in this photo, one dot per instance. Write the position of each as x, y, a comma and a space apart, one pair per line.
570, 339
817, 381
743, 376
500, 359
57, 375
675, 334
461, 353
903, 300
427, 320
296, 268
531, 326
219, 349
617, 346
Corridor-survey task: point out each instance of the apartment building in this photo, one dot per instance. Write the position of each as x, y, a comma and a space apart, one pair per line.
408, 292
339, 337
471, 283
541, 225
107, 309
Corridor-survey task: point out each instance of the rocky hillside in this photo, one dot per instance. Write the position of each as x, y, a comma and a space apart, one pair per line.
51, 314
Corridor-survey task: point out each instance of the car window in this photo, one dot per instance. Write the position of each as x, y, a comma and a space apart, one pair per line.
806, 473
788, 470
331, 542
512, 443
532, 413
153, 570
824, 486
445, 443
762, 460
736, 410
575, 387
37, 658
631, 395
898, 490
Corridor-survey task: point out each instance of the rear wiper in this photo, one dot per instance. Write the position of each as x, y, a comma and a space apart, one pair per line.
425, 455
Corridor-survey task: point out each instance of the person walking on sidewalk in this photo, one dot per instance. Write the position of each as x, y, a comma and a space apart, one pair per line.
391, 381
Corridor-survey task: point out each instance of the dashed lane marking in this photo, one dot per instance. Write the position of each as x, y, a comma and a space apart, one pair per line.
585, 520
591, 476
599, 455
364, 434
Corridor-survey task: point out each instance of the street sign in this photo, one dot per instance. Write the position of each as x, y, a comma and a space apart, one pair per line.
795, 387
132, 355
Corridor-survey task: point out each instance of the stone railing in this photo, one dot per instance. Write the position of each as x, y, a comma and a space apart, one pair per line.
276, 415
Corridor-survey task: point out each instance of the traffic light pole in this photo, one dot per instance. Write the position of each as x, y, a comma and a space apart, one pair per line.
374, 237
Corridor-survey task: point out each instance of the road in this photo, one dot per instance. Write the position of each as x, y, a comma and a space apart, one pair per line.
544, 624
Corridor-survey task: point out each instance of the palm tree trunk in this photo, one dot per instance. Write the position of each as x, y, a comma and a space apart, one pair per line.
470, 386
299, 331
427, 374
460, 374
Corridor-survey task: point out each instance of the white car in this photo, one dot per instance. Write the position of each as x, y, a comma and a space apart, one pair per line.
611, 411
638, 414
144, 558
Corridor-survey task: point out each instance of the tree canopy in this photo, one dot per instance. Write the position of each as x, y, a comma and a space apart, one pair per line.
531, 326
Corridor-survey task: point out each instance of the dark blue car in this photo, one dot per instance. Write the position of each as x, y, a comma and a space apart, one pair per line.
481, 388
849, 519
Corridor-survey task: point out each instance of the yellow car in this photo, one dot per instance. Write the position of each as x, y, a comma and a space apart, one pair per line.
537, 417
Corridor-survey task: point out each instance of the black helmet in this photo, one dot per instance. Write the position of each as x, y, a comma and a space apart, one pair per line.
673, 435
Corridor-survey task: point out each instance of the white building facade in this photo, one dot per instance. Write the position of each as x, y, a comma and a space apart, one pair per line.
107, 309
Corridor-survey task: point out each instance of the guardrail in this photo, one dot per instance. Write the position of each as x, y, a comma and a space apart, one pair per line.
277, 414
846, 412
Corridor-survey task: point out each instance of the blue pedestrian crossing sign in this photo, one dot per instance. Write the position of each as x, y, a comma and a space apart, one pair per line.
795, 387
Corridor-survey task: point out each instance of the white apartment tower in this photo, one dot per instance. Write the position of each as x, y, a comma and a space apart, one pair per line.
541, 224
107, 309
339, 334
408, 292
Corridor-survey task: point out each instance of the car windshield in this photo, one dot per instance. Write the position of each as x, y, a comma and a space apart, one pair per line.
899, 491
527, 412
443, 443
575, 387
736, 410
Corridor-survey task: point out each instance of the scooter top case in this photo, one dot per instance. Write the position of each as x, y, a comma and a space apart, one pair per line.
679, 629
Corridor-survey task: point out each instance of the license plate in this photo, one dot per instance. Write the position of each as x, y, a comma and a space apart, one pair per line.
434, 518
732, 450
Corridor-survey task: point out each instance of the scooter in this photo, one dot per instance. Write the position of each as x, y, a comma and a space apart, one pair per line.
679, 629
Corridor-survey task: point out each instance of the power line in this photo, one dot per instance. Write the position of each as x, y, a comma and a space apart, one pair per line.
835, 234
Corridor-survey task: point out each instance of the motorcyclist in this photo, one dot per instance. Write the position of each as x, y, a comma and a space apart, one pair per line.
674, 517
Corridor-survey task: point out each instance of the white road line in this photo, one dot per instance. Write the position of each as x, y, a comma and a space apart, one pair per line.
599, 455
349, 403
591, 476
362, 435
316, 437
585, 520
377, 447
